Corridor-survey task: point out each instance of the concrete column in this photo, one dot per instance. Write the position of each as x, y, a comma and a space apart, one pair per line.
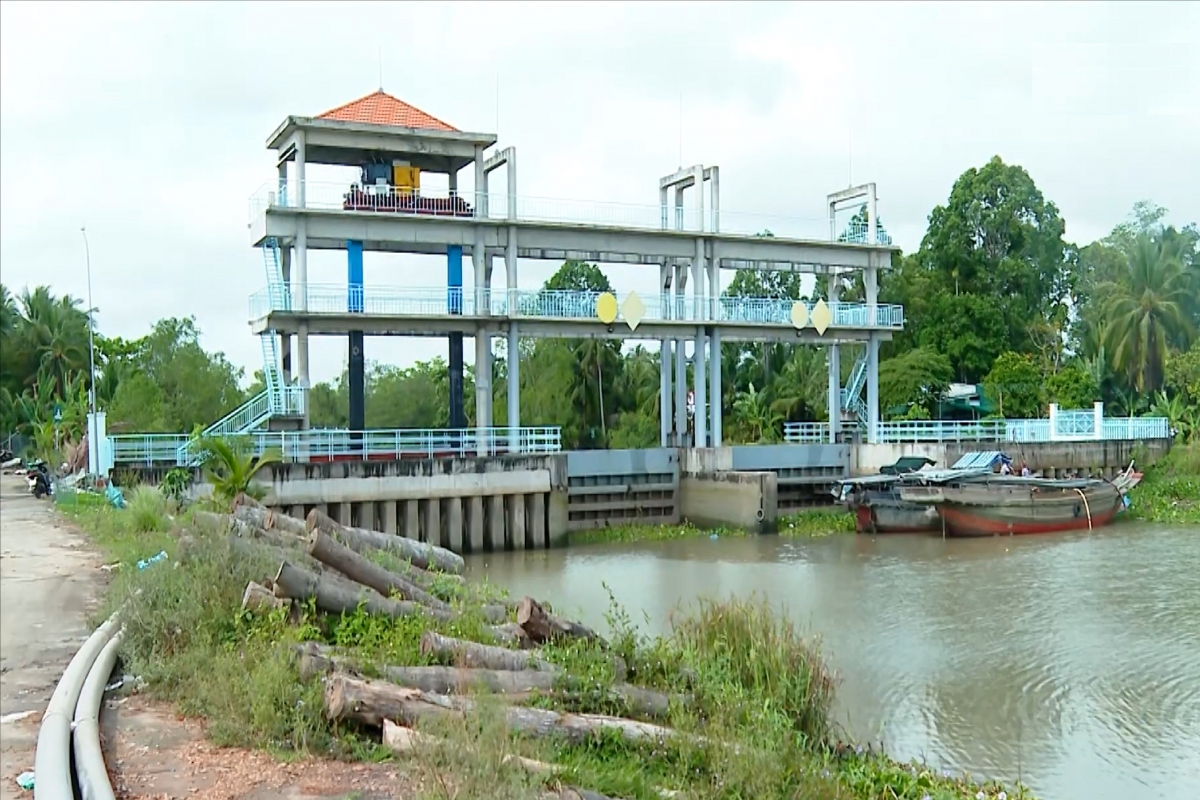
714, 384
535, 520
679, 209
512, 186
366, 516
871, 284
664, 356
481, 185
454, 524
301, 192
714, 343
390, 523
483, 355
662, 201
514, 335
281, 192
700, 357
356, 367
432, 532
680, 359
302, 363
412, 519
873, 389
300, 298
834, 401
285, 341
495, 528
453, 183
872, 215
454, 282
516, 520
475, 523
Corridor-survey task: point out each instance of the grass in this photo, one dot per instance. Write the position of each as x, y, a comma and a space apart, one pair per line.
817, 522
809, 522
1170, 491
758, 724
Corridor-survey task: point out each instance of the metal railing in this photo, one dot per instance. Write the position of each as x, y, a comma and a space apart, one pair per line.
354, 197
988, 430
561, 304
171, 449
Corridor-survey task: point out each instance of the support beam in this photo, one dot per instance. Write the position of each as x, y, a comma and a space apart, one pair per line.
873, 389
514, 336
714, 389
681, 427
356, 366
302, 364
664, 362
834, 400
300, 164
483, 351
700, 378
454, 282
285, 340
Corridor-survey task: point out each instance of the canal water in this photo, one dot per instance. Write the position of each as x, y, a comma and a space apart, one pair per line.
1069, 662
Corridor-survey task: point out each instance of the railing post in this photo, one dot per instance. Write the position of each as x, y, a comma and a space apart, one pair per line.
1098, 420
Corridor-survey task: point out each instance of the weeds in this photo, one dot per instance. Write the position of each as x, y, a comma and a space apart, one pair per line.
1170, 491
753, 696
648, 533
816, 522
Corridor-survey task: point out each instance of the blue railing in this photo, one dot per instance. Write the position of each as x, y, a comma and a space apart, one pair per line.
632, 308
171, 449
995, 430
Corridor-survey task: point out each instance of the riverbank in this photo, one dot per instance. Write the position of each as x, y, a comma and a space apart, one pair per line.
810, 522
1170, 491
749, 714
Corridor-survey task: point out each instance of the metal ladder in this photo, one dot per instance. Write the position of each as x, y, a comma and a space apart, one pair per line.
852, 394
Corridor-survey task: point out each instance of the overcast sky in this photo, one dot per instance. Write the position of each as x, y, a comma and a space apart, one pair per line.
146, 122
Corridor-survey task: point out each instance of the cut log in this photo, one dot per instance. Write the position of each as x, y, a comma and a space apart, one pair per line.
322, 547
317, 659
421, 554
244, 500
260, 598
481, 656
333, 597
542, 626
268, 520
511, 634
399, 739
371, 702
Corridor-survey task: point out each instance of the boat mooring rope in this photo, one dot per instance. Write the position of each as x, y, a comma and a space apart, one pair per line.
1086, 507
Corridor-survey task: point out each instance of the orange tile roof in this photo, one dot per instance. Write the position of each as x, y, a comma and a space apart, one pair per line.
380, 108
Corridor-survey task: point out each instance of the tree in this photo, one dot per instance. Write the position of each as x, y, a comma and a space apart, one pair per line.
916, 379
1073, 386
1015, 385
1148, 311
230, 468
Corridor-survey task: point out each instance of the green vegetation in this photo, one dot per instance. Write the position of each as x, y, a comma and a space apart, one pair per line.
758, 724
1170, 491
648, 533
817, 522
994, 295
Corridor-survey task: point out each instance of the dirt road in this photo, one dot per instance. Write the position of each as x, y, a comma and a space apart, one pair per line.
49, 585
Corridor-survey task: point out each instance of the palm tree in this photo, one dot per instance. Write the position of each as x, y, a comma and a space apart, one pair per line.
230, 469
753, 414
1147, 311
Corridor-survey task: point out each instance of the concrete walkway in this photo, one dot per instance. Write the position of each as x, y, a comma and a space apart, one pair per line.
49, 585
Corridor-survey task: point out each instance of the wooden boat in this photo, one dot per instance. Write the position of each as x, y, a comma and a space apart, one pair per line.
878, 507
1012, 505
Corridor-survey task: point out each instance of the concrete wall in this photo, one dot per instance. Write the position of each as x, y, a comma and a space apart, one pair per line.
1052, 459
618, 487
805, 474
746, 500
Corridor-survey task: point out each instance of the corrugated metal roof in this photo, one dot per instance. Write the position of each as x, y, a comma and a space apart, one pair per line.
987, 458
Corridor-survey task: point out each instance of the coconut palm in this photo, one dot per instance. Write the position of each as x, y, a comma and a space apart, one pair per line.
1147, 310
230, 468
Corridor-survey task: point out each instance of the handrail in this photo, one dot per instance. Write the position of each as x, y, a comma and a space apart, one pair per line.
998, 430
632, 307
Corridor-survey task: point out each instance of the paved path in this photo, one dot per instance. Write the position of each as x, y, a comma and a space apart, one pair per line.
49, 584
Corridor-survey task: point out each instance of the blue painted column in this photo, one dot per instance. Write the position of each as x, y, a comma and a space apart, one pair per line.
454, 305
356, 370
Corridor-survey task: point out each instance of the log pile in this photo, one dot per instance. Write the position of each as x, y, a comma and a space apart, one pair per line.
334, 568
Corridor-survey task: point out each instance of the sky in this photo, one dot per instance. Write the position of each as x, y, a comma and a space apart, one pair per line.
147, 123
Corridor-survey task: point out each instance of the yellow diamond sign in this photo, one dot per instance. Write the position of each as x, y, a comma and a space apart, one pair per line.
821, 317
606, 307
799, 314
633, 311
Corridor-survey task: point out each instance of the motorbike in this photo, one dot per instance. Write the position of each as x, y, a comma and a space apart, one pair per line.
38, 479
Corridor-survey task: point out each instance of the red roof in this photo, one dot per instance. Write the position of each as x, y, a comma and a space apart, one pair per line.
380, 108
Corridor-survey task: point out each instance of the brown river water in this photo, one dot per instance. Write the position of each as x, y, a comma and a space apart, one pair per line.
1069, 662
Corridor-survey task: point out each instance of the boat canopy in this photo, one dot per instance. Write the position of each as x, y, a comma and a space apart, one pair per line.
987, 459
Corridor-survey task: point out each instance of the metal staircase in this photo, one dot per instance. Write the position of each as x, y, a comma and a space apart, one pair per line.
852, 395
277, 399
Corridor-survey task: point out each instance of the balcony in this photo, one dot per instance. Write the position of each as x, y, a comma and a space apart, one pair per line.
630, 308
358, 198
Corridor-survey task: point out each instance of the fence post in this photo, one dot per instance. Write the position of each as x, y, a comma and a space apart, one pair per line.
1098, 420
1054, 422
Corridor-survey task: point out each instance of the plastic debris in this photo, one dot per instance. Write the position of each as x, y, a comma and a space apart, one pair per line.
114, 496
145, 562
25, 780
